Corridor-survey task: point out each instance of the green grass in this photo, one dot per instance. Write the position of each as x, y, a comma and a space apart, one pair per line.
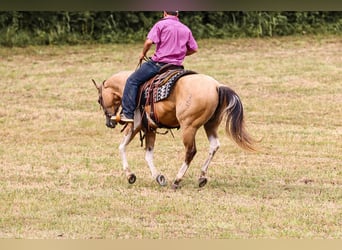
61, 174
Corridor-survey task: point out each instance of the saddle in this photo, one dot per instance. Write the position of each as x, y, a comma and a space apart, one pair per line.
156, 89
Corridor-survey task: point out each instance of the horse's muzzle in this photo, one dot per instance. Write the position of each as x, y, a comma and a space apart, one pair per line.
110, 123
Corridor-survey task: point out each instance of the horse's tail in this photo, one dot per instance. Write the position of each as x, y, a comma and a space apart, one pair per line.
230, 106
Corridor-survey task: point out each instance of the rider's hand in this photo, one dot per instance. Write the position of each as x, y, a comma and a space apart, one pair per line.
141, 58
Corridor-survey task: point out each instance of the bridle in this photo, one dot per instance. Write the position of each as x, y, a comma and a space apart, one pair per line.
109, 122
100, 101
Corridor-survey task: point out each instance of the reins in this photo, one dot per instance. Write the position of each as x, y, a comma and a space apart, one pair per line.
140, 62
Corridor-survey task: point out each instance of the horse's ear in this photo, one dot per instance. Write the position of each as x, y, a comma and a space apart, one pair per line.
98, 88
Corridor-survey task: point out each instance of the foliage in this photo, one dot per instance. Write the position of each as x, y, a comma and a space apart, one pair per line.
21, 28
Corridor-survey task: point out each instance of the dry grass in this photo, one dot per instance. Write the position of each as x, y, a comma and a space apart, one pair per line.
61, 175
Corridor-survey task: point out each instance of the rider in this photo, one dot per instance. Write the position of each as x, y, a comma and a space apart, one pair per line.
174, 41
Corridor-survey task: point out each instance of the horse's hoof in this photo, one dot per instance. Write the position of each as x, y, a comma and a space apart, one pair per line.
202, 181
176, 185
131, 178
161, 180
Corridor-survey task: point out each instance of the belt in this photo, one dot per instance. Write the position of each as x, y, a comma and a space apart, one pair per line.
160, 64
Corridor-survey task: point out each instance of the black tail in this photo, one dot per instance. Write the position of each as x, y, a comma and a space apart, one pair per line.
231, 107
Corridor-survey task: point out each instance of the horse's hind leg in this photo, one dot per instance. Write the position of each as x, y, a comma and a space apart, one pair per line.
211, 132
190, 151
150, 138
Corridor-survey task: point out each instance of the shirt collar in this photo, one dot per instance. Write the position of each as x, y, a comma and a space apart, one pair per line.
172, 18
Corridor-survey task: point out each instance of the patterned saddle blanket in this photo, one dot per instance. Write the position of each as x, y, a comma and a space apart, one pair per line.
159, 87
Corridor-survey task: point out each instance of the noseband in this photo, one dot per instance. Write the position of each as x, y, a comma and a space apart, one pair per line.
100, 101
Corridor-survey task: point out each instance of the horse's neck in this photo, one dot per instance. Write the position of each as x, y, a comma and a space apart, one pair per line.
118, 81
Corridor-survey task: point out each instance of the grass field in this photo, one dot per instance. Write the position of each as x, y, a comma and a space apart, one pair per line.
61, 175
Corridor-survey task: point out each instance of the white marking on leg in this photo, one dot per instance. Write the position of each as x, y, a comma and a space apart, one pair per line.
182, 171
122, 150
149, 160
214, 146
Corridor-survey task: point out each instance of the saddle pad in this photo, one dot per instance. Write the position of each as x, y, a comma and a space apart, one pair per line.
162, 86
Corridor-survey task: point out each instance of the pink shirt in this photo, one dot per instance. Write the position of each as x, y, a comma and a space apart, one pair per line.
173, 39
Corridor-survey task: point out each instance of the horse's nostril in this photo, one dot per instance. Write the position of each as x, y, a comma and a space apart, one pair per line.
110, 124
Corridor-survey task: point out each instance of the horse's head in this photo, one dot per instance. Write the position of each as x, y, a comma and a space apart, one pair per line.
110, 102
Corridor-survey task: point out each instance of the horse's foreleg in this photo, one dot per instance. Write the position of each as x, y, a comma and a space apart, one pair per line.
129, 134
190, 151
150, 138
214, 146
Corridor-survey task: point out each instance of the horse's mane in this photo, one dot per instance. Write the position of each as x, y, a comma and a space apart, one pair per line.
118, 80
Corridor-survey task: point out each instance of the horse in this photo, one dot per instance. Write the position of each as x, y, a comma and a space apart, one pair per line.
196, 100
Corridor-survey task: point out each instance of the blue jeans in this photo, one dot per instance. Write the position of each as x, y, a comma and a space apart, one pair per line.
137, 78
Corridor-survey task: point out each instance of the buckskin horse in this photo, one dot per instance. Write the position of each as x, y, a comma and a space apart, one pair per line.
195, 100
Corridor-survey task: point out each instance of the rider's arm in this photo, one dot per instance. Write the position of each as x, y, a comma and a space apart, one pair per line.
147, 45
190, 52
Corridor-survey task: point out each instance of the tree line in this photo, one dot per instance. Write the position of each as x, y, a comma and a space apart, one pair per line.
22, 28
